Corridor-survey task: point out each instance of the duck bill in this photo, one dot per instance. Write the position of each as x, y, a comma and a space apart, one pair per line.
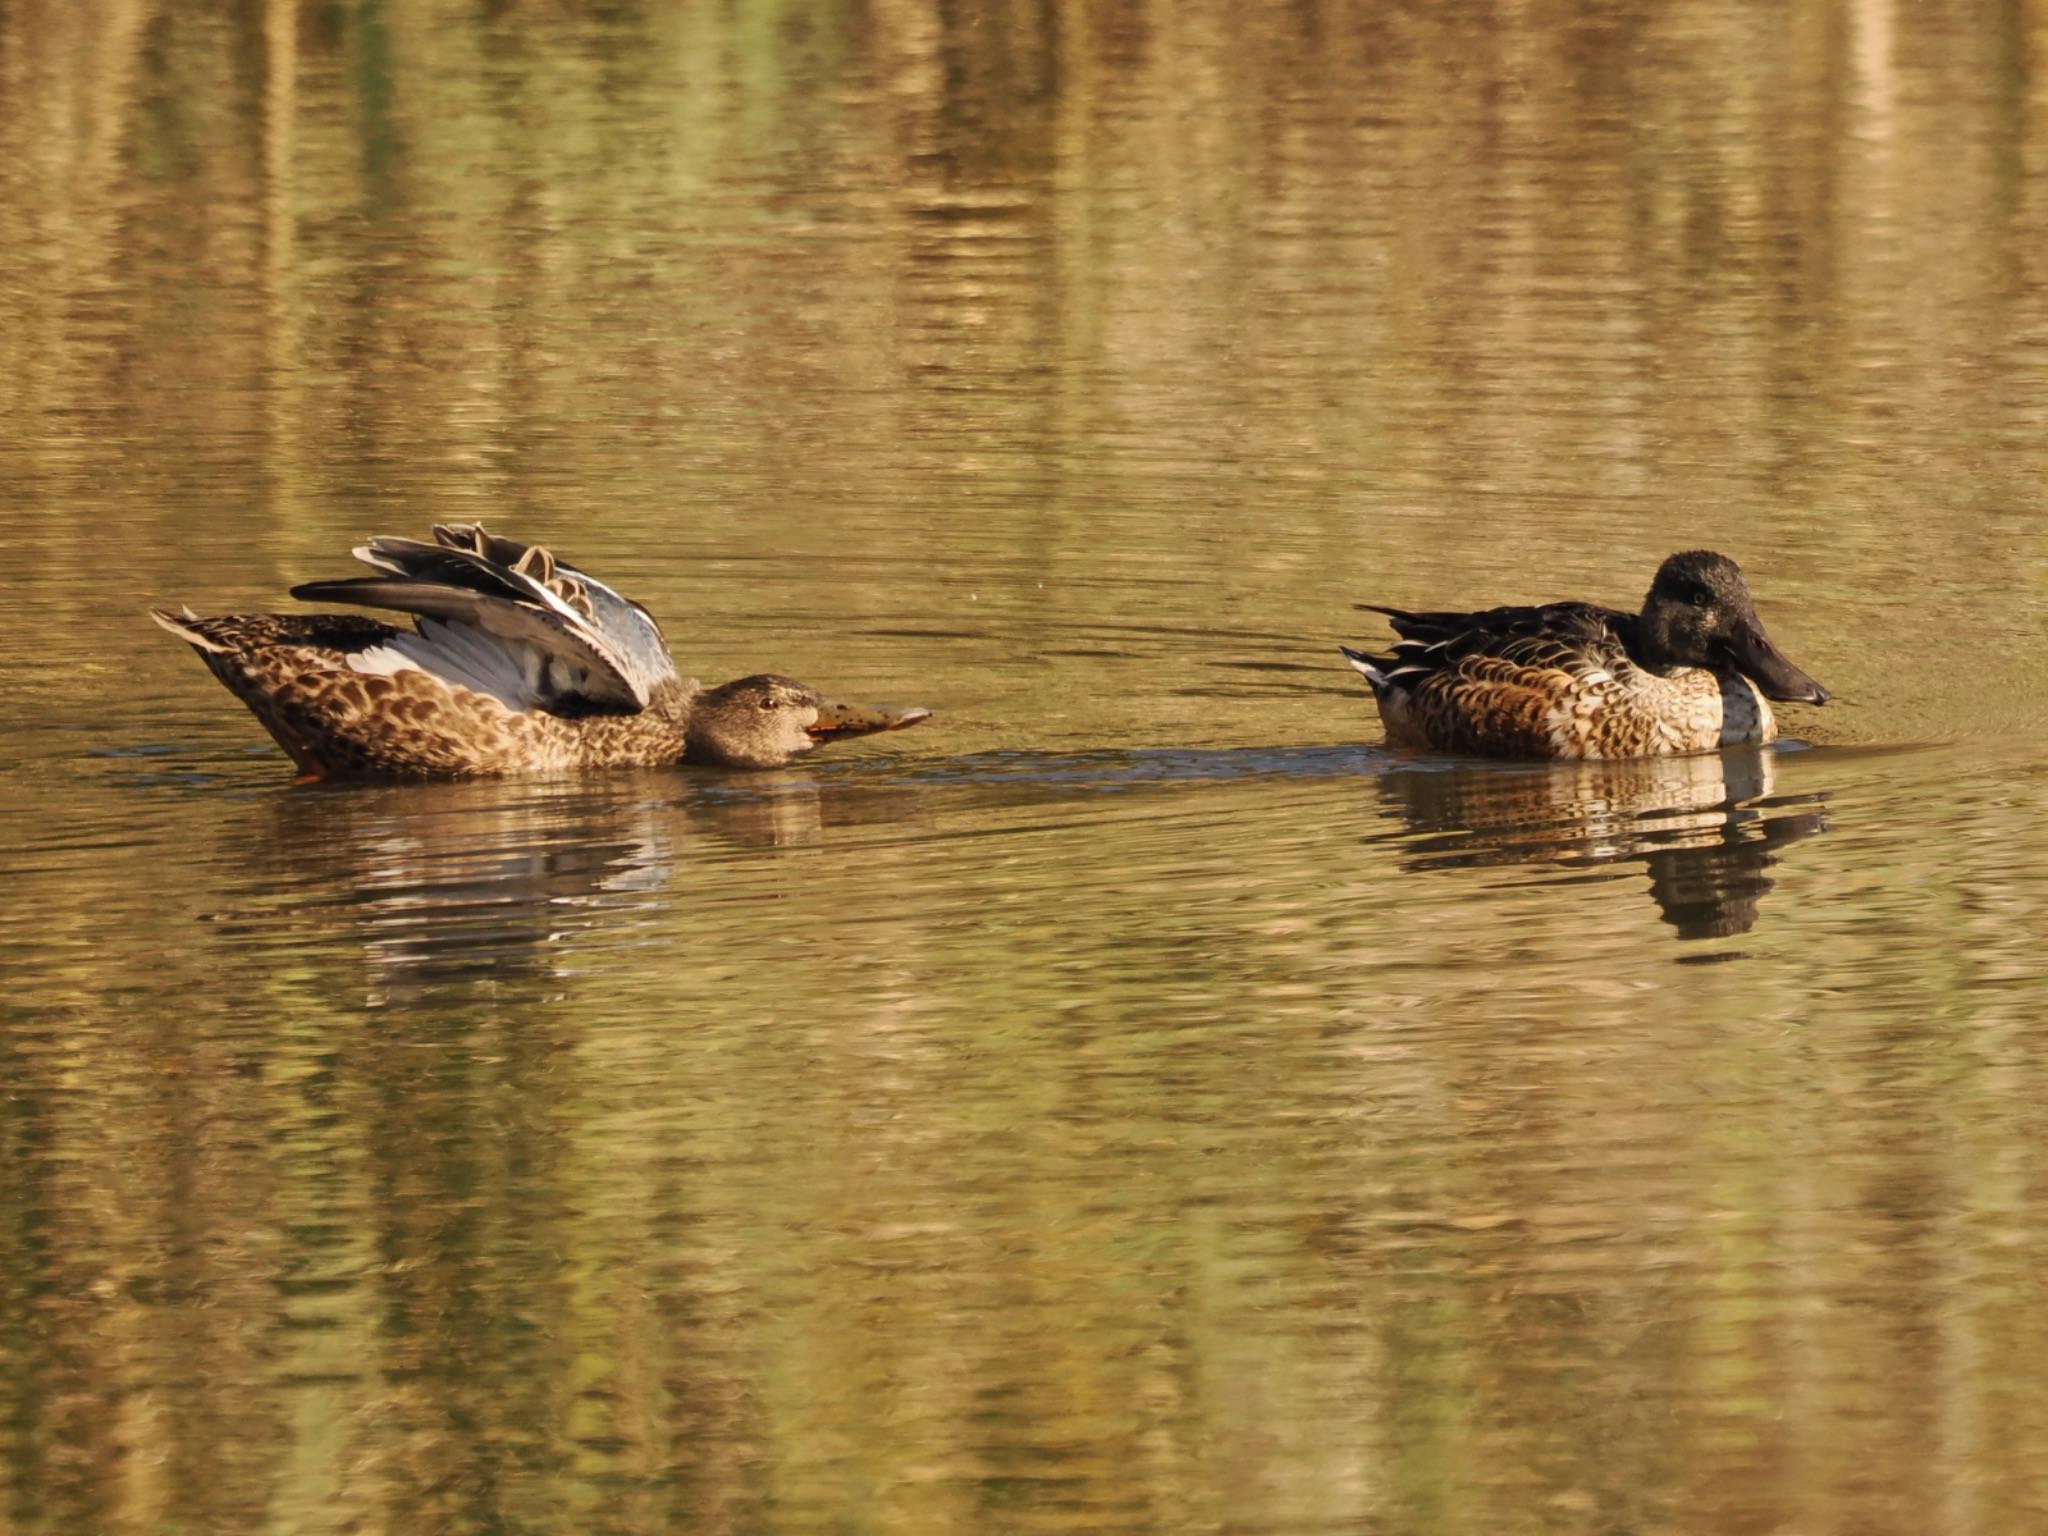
1766, 666
836, 722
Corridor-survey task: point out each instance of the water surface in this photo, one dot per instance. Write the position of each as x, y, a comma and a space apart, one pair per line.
1135, 1100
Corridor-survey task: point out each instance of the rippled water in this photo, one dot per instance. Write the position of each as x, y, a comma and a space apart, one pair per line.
1135, 1100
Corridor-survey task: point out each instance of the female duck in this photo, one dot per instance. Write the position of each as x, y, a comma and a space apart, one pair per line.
1691, 673
517, 663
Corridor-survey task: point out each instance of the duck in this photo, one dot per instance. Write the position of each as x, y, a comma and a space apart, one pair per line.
1692, 672
515, 662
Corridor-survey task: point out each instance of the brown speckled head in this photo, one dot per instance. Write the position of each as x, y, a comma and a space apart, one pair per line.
764, 721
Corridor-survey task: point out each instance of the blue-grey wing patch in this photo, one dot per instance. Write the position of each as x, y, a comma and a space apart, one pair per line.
633, 641
509, 619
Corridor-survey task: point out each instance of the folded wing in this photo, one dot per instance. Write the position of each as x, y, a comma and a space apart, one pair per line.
1572, 637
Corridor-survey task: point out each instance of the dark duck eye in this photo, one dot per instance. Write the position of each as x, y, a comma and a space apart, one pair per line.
770, 702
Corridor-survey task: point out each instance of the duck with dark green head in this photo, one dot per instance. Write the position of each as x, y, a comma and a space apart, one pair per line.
516, 662
1693, 672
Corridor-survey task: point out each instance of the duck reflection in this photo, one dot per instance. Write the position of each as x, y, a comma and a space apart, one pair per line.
1708, 827
454, 884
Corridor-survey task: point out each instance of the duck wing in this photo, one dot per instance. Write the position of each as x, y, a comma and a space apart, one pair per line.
1494, 682
1573, 637
509, 619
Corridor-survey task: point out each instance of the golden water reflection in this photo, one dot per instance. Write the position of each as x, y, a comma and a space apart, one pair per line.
1137, 1102
1706, 828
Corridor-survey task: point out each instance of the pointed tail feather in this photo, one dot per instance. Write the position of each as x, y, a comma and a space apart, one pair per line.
181, 624
1367, 666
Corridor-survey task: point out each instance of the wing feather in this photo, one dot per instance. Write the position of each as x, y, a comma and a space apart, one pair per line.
1489, 681
513, 621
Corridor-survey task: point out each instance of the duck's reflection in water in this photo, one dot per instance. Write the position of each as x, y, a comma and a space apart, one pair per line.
1707, 827
500, 881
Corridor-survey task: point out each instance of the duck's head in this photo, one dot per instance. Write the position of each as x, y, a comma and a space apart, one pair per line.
1699, 614
763, 722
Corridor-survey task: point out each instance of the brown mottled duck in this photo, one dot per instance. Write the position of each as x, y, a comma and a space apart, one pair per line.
516, 662
1692, 672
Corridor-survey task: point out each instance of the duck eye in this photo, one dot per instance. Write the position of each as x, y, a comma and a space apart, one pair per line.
1700, 597
769, 702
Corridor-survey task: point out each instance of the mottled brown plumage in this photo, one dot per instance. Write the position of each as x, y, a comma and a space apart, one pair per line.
517, 663
1690, 673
